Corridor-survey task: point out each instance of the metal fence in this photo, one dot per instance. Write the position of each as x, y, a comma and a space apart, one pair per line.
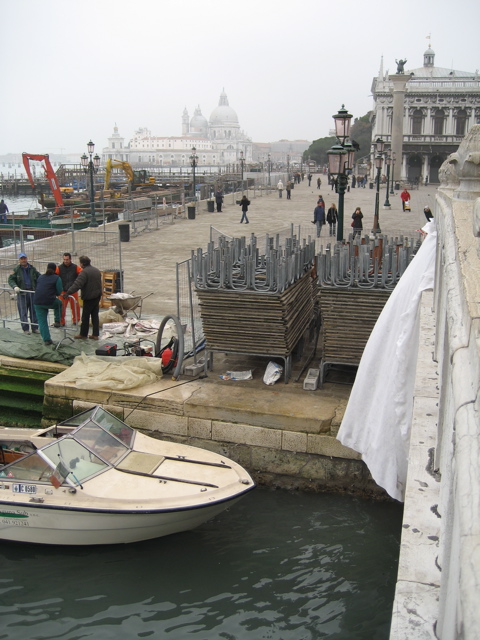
45, 245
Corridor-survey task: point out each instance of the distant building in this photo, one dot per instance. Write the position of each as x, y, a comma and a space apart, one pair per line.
281, 152
440, 107
218, 141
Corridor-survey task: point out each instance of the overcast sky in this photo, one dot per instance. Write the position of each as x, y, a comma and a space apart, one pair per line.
71, 69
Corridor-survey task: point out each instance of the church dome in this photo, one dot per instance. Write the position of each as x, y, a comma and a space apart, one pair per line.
198, 123
223, 114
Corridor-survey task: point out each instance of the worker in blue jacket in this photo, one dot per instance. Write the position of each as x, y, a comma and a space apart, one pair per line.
49, 287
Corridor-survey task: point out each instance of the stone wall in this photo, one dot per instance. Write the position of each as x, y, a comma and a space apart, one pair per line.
438, 588
458, 355
284, 439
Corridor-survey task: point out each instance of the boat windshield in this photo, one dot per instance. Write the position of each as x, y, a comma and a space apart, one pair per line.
77, 460
108, 421
31, 468
101, 442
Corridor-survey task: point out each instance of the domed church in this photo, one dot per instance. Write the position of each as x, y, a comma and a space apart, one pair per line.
223, 131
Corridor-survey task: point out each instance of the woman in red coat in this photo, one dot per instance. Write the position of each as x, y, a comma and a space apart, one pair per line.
405, 196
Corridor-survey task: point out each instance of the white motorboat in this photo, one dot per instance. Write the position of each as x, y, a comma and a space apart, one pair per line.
102, 482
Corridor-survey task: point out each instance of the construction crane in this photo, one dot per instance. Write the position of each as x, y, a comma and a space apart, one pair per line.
49, 174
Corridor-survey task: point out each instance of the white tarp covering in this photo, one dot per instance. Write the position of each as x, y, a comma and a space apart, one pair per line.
114, 374
379, 412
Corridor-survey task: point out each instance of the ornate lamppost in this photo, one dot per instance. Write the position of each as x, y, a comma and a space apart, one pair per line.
394, 157
379, 146
269, 169
242, 165
194, 163
388, 161
340, 161
91, 166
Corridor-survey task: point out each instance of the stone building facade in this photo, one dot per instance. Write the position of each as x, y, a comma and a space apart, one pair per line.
440, 106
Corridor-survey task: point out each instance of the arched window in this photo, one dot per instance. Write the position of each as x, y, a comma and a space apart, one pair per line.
461, 122
417, 122
438, 122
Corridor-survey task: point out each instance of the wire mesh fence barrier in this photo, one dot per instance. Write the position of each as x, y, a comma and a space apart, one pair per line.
151, 219
9, 313
188, 308
102, 247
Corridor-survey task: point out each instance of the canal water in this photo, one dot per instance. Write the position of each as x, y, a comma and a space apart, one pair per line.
276, 566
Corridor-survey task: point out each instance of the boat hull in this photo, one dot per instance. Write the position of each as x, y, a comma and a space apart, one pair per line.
42, 524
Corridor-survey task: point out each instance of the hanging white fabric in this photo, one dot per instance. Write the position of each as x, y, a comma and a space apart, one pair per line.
378, 416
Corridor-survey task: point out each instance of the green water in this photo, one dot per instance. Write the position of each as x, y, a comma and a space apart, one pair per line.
276, 566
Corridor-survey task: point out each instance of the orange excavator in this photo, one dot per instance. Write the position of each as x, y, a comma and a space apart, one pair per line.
49, 174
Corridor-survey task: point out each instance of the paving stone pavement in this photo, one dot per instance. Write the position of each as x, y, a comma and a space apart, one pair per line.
150, 258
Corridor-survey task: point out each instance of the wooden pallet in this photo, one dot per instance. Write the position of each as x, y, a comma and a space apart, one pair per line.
109, 283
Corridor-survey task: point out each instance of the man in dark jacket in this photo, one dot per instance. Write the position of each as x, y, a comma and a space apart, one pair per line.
3, 212
89, 280
219, 200
23, 281
49, 286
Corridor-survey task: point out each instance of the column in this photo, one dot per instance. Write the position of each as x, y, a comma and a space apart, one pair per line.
399, 81
425, 168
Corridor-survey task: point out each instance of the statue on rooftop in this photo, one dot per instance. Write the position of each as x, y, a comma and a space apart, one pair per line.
400, 65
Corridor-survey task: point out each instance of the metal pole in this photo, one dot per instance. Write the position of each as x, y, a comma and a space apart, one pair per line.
376, 217
393, 173
387, 201
93, 222
342, 181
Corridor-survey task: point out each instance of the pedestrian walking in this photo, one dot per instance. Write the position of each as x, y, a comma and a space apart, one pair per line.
289, 190
357, 222
280, 188
332, 217
319, 216
3, 212
309, 179
244, 203
89, 280
23, 281
68, 271
405, 198
219, 200
49, 287
319, 183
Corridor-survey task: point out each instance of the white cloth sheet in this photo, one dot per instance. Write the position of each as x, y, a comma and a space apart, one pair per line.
378, 416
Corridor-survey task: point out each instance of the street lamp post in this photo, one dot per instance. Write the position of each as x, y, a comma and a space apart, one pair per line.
388, 161
194, 163
340, 162
394, 157
288, 167
379, 146
242, 164
269, 169
91, 166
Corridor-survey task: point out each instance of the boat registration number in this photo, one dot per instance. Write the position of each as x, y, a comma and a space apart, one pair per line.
24, 488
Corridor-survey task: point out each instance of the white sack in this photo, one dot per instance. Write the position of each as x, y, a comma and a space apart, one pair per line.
378, 416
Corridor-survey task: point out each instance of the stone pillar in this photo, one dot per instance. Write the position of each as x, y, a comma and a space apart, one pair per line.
399, 81
425, 168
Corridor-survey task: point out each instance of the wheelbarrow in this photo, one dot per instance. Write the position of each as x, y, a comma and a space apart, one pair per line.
132, 303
